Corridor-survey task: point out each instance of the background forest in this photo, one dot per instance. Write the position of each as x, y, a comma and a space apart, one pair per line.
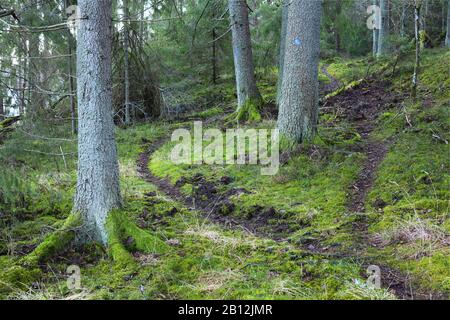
368, 185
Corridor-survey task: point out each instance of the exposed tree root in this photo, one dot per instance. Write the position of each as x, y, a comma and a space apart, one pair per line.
126, 236
27, 270
250, 111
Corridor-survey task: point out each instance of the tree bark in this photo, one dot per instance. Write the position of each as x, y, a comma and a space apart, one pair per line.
2, 108
214, 57
98, 190
337, 36
447, 38
247, 91
299, 106
383, 30
71, 82
284, 23
126, 62
375, 34
417, 41
402, 19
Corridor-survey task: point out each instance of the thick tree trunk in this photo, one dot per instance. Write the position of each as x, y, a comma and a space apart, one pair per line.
126, 62
284, 23
299, 108
98, 190
247, 91
383, 30
447, 38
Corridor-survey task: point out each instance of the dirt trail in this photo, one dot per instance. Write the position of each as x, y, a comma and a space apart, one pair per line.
206, 200
361, 106
334, 83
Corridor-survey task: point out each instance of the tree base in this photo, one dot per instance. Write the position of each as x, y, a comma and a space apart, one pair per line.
249, 111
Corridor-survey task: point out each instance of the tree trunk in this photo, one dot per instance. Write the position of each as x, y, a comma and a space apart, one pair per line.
383, 31
214, 57
447, 38
126, 62
375, 33
141, 24
247, 92
214, 53
33, 71
284, 23
337, 36
299, 107
2, 108
98, 190
417, 40
70, 75
402, 19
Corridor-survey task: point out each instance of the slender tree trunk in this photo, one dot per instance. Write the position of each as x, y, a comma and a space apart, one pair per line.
402, 19
447, 38
141, 24
33, 72
284, 23
71, 82
383, 31
299, 106
247, 92
445, 5
126, 62
375, 33
2, 108
214, 57
417, 40
337, 36
98, 190
21, 88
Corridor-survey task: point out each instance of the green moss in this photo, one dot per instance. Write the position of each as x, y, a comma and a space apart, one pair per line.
120, 228
412, 182
352, 85
17, 278
54, 242
249, 111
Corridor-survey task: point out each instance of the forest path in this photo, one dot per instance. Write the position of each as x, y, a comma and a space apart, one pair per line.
361, 106
334, 83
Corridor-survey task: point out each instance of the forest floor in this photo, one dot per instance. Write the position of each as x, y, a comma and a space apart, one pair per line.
371, 190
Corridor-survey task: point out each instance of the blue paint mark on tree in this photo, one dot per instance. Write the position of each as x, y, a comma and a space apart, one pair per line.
297, 42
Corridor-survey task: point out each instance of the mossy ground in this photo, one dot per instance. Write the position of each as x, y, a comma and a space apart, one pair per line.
164, 251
